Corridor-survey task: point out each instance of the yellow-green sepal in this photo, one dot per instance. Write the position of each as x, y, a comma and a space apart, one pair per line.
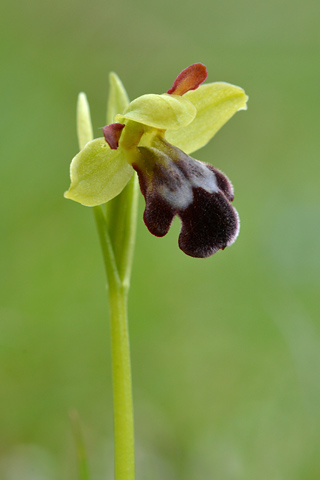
165, 112
98, 174
215, 103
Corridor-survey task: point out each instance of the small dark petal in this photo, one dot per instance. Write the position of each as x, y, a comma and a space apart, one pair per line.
112, 134
189, 79
209, 224
223, 183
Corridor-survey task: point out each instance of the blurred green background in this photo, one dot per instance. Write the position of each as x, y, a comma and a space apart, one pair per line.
225, 351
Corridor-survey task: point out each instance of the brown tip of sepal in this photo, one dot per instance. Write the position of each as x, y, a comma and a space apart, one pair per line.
112, 134
189, 79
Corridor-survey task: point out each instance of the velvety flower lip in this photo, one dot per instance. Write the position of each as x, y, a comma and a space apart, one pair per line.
209, 224
150, 135
197, 193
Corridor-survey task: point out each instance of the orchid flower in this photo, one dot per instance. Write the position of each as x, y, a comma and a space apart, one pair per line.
154, 136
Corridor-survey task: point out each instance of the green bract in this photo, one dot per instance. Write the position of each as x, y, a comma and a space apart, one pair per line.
188, 121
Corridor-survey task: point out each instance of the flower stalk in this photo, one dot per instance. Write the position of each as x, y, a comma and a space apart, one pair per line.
122, 388
116, 225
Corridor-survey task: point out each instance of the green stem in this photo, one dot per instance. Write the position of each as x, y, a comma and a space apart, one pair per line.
121, 368
121, 217
106, 246
122, 388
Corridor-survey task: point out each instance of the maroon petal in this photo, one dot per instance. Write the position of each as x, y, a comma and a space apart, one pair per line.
112, 134
209, 224
189, 79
